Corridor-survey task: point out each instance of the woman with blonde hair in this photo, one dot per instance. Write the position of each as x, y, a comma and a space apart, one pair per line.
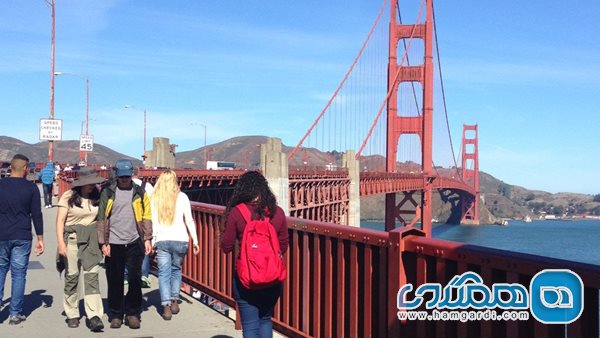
173, 225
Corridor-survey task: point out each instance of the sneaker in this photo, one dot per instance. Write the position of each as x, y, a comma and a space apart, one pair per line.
146, 283
16, 320
174, 307
96, 324
167, 312
116, 323
73, 322
133, 322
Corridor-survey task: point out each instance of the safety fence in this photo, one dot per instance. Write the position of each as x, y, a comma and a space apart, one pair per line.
343, 281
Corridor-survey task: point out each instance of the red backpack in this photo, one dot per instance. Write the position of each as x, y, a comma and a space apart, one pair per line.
259, 264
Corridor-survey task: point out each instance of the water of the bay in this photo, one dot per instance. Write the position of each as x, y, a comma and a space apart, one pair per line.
573, 240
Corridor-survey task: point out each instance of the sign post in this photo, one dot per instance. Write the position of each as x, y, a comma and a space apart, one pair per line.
50, 130
86, 143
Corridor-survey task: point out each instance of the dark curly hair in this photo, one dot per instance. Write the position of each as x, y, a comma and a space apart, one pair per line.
251, 185
75, 199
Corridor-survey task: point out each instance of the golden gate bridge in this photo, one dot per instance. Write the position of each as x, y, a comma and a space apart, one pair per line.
380, 134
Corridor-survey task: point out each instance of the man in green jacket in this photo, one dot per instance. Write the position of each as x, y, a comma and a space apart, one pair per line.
125, 233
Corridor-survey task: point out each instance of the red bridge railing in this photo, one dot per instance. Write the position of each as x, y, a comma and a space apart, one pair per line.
343, 281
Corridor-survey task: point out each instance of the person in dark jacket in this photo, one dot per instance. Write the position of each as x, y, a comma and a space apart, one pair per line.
47, 178
19, 207
125, 233
255, 306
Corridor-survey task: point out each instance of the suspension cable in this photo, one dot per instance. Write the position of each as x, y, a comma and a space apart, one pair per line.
437, 49
291, 154
390, 90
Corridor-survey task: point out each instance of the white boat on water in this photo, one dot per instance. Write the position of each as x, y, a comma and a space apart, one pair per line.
527, 219
502, 222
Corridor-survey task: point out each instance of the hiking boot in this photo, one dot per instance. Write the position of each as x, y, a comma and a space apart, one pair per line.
174, 307
166, 312
96, 324
73, 322
133, 322
116, 323
146, 283
16, 319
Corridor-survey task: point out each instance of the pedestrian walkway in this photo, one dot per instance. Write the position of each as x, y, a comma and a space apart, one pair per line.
44, 309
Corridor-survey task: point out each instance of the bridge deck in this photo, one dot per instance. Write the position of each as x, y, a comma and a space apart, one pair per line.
43, 306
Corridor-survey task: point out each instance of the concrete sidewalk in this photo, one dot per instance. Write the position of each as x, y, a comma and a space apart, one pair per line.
44, 310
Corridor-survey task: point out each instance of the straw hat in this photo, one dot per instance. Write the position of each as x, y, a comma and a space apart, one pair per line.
85, 176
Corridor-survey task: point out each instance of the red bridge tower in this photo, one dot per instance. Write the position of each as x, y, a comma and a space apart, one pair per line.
470, 174
420, 125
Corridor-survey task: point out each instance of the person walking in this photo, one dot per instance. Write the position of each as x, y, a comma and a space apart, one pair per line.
173, 226
148, 190
19, 206
47, 174
255, 306
125, 233
77, 238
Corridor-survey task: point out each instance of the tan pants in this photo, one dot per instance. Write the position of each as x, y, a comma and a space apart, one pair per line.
91, 286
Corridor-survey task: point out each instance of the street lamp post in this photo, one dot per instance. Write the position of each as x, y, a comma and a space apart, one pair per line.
205, 150
53, 13
86, 125
87, 103
134, 107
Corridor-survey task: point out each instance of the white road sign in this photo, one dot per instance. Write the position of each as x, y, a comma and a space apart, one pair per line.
50, 130
86, 142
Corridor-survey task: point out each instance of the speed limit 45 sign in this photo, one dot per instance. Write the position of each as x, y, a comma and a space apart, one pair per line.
86, 142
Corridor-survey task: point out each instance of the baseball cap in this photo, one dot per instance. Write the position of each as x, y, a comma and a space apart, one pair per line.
124, 168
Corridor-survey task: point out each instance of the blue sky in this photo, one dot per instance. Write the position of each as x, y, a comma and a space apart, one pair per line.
528, 72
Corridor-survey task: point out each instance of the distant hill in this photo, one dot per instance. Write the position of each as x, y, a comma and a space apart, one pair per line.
64, 152
500, 199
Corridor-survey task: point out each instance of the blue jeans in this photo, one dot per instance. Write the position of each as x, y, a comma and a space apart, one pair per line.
14, 255
169, 255
256, 309
145, 268
48, 193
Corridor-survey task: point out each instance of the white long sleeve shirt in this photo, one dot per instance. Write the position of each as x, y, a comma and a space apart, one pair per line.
182, 223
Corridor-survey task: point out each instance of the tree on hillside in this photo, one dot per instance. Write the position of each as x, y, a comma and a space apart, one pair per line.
596, 198
504, 190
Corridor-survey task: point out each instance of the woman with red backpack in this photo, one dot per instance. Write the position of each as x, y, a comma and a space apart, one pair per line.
255, 220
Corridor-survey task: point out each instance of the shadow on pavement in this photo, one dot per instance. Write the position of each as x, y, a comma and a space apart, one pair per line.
32, 301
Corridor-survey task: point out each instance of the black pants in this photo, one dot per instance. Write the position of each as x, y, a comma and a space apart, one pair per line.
121, 256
